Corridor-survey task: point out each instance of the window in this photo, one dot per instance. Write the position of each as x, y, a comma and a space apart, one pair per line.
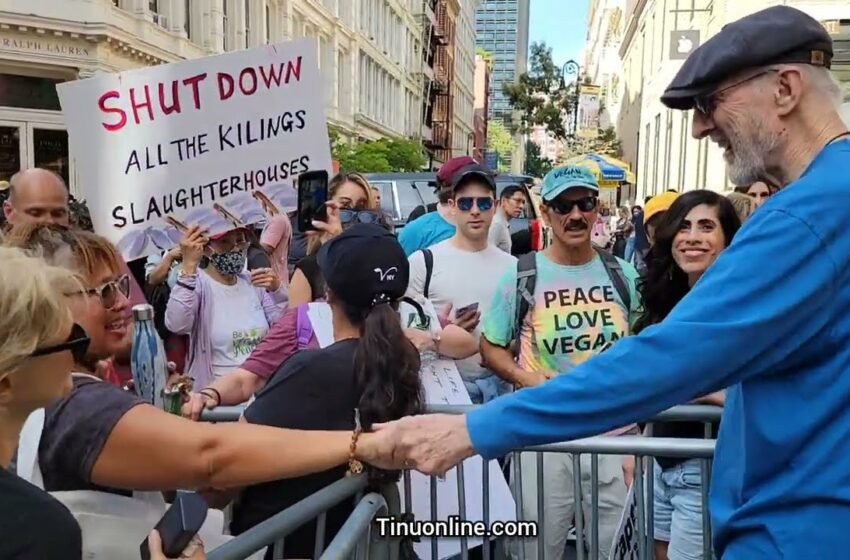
646, 161
247, 23
268, 25
655, 153
187, 27
683, 151
225, 24
668, 141
153, 6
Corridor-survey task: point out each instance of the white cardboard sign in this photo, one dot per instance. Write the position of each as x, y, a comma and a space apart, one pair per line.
197, 141
443, 385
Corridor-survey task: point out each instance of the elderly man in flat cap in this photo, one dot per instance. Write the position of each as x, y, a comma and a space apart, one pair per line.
770, 320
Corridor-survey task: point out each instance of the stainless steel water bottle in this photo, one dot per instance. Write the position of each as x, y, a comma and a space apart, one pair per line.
148, 361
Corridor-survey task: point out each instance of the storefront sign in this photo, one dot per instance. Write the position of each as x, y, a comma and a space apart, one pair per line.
683, 43
40, 45
196, 142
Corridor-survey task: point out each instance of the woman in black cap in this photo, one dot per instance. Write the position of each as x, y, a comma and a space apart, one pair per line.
369, 375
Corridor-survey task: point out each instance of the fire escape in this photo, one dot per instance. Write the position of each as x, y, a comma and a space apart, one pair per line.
438, 53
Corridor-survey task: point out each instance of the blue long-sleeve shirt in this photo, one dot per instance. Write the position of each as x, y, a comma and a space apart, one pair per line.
770, 320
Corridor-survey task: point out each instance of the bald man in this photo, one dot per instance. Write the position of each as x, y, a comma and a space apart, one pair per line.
41, 196
37, 196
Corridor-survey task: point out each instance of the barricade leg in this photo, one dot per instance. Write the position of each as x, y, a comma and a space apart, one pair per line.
558, 503
609, 498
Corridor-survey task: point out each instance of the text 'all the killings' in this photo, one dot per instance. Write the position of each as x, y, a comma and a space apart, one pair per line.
230, 136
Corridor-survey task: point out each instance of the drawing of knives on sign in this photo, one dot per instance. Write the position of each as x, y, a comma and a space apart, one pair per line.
269, 207
234, 221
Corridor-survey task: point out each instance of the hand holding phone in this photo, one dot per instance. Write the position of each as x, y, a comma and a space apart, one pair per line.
312, 199
467, 310
180, 523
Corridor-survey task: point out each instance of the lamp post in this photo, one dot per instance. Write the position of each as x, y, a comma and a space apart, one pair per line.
572, 68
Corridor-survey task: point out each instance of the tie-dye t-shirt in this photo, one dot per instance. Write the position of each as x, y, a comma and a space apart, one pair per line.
577, 311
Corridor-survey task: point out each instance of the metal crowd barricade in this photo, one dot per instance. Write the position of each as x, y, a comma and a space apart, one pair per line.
358, 538
273, 531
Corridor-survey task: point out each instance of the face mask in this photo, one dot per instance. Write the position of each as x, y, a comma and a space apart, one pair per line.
229, 263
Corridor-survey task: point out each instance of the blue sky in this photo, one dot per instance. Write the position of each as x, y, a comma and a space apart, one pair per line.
561, 24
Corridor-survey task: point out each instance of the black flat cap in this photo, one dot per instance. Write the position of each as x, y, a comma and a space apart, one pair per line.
776, 35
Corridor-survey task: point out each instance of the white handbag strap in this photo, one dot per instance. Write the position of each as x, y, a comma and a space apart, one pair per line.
30, 438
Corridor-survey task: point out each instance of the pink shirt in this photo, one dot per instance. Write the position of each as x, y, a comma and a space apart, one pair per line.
278, 234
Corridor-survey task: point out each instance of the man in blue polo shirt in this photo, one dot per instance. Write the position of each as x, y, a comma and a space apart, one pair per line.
770, 320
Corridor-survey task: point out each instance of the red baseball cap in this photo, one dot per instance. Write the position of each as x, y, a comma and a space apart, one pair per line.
447, 171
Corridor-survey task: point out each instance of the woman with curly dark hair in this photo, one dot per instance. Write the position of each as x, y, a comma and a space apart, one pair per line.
369, 375
698, 226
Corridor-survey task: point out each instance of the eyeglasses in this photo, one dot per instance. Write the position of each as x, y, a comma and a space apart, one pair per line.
706, 104
484, 203
564, 206
361, 216
77, 342
225, 245
108, 293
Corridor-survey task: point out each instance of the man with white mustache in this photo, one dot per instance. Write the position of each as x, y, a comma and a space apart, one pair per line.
770, 319
583, 301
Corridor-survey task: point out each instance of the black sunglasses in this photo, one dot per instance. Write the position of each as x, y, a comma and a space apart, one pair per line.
108, 293
484, 203
706, 104
563, 206
361, 216
77, 342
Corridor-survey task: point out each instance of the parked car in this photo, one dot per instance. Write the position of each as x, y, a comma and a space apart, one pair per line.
403, 194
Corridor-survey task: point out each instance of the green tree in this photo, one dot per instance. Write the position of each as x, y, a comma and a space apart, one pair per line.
486, 55
379, 156
535, 164
499, 140
540, 96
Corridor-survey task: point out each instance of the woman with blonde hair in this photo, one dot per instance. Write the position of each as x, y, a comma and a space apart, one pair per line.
351, 201
99, 437
38, 340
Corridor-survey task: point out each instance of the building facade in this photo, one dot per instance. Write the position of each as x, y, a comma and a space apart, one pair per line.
481, 107
602, 64
657, 37
371, 55
502, 30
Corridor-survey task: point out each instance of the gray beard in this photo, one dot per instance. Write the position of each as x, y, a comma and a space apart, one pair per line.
749, 165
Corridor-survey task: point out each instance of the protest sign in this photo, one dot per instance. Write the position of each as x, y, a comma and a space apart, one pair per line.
626, 545
214, 141
442, 384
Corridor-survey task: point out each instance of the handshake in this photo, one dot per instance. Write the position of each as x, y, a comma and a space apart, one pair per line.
430, 443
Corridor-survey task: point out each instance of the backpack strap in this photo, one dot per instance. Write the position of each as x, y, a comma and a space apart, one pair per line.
303, 327
617, 276
429, 270
526, 279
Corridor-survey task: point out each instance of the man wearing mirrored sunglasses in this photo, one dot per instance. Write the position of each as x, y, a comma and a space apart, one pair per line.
577, 310
460, 283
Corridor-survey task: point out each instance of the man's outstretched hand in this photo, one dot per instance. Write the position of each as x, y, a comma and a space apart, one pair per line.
431, 443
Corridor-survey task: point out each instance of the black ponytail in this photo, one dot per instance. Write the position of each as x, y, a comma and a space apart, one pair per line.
386, 371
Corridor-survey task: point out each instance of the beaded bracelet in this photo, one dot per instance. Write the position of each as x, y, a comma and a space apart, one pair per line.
355, 467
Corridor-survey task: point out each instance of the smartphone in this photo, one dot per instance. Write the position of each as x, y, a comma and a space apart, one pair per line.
180, 523
467, 310
312, 199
